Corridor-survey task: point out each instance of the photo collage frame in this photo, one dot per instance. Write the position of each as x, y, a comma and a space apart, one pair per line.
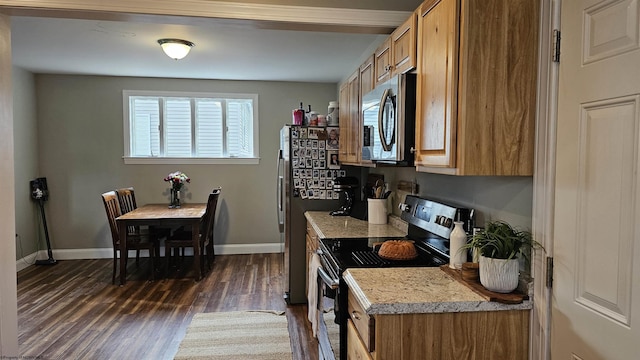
314, 161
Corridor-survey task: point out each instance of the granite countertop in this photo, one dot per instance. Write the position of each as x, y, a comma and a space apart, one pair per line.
331, 227
416, 291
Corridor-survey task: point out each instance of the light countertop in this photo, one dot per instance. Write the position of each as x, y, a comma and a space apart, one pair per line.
331, 227
400, 290
416, 290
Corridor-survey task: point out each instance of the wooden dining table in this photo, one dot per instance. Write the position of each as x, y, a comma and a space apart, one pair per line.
160, 215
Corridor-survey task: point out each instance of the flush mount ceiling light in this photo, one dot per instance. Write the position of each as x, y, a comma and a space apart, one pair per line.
176, 48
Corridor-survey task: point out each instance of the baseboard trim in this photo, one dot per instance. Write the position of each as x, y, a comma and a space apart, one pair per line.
107, 253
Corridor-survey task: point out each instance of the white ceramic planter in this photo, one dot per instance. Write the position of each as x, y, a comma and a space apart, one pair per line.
499, 275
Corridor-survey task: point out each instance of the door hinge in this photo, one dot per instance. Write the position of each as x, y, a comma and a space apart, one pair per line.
549, 272
556, 46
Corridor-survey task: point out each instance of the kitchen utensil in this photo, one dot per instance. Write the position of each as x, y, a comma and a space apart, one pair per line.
386, 194
379, 188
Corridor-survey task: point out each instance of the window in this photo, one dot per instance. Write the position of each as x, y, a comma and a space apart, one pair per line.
188, 128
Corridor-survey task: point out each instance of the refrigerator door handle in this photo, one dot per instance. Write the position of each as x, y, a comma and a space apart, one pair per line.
280, 191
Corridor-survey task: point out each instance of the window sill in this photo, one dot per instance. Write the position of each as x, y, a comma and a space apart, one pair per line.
187, 161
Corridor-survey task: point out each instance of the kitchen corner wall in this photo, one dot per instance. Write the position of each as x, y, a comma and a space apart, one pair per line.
25, 133
80, 149
508, 198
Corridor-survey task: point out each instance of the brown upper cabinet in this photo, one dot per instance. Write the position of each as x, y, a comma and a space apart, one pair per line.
350, 124
397, 54
367, 81
476, 86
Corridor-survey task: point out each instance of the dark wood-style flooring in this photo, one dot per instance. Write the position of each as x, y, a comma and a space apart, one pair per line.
72, 311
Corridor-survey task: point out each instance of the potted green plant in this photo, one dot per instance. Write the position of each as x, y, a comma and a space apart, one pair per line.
499, 245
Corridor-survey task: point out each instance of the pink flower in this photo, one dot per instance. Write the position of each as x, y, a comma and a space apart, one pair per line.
177, 179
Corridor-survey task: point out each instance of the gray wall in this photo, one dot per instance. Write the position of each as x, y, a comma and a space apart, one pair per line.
508, 198
77, 144
26, 163
80, 148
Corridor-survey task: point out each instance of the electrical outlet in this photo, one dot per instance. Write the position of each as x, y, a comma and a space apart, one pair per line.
408, 186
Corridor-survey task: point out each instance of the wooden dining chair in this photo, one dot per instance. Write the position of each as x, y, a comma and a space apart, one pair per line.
127, 202
182, 239
134, 241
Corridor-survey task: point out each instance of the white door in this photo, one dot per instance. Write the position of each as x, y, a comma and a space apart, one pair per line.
596, 289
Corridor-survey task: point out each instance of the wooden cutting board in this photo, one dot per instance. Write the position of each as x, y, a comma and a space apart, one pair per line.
510, 298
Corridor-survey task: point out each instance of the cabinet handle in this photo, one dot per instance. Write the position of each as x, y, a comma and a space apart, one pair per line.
412, 150
354, 315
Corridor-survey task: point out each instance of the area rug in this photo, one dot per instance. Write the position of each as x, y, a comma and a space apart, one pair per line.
237, 335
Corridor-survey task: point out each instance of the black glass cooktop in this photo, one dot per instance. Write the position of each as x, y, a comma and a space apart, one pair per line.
363, 252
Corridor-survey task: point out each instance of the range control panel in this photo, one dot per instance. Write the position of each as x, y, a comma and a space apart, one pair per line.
429, 215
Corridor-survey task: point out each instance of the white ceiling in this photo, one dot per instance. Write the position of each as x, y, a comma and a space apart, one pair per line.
222, 50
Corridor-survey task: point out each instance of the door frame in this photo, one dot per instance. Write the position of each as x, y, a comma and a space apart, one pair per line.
544, 180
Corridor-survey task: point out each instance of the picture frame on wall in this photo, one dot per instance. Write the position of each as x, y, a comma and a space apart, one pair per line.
333, 138
333, 159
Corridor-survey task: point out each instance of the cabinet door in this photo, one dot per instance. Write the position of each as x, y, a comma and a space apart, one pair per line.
344, 122
309, 253
436, 111
403, 46
367, 76
312, 246
355, 348
383, 62
353, 141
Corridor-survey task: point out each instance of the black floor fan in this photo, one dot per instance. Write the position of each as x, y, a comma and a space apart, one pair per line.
40, 193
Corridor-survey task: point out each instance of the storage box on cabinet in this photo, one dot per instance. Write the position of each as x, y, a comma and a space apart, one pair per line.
476, 90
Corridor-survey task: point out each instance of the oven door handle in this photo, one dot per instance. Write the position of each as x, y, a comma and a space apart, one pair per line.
330, 282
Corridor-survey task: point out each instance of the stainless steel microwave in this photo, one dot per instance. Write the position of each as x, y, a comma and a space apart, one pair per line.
389, 121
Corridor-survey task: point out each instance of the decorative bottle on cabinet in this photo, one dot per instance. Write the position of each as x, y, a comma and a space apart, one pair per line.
457, 240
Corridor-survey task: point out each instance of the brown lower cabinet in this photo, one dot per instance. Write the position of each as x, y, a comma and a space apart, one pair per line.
490, 335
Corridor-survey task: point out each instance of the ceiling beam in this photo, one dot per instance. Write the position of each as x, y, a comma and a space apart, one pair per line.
194, 12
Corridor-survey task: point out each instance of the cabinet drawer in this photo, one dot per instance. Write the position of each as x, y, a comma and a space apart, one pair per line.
363, 322
355, 348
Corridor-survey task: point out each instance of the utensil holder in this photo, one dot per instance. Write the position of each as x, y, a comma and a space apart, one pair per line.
377, 211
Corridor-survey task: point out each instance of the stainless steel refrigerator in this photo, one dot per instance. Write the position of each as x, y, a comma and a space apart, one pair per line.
307, 164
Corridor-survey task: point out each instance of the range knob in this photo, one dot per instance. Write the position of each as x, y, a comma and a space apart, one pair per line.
404, 207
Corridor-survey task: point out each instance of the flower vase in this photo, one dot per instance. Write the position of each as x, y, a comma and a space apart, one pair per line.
175, 199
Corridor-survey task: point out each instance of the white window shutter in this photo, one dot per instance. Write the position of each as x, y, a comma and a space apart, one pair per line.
177, 122
239, 124
209, 126
185, 126
145, 132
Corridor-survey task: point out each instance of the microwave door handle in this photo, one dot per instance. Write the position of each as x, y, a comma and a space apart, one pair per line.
386, 146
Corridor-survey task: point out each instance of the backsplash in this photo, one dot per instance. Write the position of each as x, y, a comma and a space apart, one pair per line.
508, 198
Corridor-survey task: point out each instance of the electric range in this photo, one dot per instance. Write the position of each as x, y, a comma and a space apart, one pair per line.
429, 226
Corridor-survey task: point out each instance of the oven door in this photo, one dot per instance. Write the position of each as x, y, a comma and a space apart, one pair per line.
328, 312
